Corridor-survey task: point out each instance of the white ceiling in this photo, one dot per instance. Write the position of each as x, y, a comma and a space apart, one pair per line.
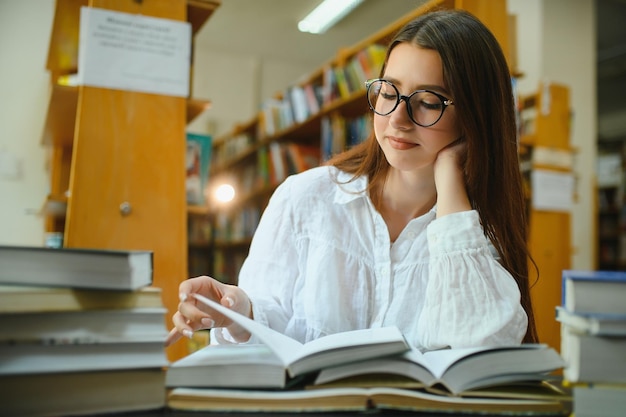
268, 28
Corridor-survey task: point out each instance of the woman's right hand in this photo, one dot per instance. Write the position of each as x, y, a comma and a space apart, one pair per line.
193, 315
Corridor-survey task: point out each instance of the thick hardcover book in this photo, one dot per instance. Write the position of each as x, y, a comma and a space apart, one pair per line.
82, 393
592, 358
89, 326
592, 400
35, 299
356, 399
594, 291
76, 268
596, 324
290, 358
73, 356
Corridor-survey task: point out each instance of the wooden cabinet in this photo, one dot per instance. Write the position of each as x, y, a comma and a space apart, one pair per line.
545, 149
117, 157
327, 110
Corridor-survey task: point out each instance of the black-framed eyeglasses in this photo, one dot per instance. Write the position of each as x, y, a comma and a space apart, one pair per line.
425, 107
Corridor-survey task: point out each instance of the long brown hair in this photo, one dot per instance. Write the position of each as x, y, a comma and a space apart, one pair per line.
476, 73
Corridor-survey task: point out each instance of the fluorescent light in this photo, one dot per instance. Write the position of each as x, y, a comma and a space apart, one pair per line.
326, 14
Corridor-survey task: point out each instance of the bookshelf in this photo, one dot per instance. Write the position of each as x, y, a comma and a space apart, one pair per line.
611, 205
545, 148
116, 158
327, 110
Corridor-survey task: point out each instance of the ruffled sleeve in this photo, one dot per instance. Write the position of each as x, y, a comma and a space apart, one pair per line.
471, 300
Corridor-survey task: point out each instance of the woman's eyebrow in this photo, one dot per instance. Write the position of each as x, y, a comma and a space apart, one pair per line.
435, 87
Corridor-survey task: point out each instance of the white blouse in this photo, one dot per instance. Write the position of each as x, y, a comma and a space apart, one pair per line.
321, 262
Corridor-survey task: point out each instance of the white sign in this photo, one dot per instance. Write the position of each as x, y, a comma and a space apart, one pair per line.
124, 51
552, 191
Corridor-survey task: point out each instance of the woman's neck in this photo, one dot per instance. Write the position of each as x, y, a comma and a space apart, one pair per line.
403, 197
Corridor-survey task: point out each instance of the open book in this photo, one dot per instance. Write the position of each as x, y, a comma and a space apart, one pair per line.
280, 356
353, 354
454, 370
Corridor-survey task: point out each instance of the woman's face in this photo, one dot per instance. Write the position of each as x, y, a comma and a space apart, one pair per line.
408, 146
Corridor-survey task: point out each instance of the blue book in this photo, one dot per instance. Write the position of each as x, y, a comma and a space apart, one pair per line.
197, 161
602, 292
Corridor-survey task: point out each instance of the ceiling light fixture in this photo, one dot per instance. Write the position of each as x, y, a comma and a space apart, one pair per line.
326, 14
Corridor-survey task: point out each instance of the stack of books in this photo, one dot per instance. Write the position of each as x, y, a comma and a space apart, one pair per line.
366, 370
593, 340
81, 331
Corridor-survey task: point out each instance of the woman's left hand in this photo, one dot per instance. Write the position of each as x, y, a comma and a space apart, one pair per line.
450, 178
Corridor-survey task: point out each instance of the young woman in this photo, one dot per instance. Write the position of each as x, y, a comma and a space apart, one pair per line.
422, 226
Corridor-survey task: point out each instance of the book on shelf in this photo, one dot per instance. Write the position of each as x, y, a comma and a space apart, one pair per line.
297, 98
22, 298
302, 157
371, 59
276, 116
264, 174
355, 74
357, 130
590, 398
82, 393
314, 98
355, 399
197, 163
591, 358
330, 90
594, 291
277, 164
76, 268
343, 85
597, 324
292, 358
333, 135
377, 54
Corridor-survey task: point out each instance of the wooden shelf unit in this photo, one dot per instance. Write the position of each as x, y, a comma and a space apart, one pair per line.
611, 205
117, 158
545, 145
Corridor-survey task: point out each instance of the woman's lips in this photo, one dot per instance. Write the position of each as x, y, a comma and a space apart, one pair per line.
400, 144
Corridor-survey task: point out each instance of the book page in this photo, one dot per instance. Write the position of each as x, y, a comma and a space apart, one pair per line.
283, 346
333, 349
439, 361
229, 355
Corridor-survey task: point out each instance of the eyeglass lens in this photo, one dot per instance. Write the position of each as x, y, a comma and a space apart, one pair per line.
425, 107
